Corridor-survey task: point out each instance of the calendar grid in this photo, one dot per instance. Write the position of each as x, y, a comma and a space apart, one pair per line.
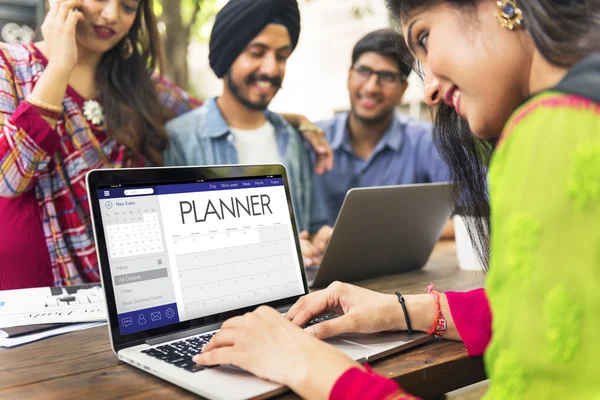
140, 236
195, 235
236, 262
231, 279
229, 274
228, 248
241, 293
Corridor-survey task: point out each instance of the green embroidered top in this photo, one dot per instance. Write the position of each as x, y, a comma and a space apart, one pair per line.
544, 279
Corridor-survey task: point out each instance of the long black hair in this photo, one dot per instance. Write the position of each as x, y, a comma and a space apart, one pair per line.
134, 116
564, 32
126, 87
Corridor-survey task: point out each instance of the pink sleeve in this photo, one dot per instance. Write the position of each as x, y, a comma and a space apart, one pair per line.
473, 319
366, 385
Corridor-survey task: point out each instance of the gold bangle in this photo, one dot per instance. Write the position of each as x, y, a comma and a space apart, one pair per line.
44, 106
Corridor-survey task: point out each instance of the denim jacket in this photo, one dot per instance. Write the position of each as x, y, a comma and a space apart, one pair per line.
202, 137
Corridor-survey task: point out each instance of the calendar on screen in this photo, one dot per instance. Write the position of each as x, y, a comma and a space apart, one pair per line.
188, 250
133, 233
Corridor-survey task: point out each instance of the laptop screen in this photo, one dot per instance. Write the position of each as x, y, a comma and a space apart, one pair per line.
186, 250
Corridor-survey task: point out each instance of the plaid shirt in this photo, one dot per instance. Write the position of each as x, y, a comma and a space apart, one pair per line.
52, 157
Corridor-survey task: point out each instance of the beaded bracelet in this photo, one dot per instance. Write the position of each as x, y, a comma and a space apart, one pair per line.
439, 326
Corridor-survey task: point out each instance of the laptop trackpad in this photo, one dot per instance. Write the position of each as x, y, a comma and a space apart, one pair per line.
380, 341
352, 350
378, 344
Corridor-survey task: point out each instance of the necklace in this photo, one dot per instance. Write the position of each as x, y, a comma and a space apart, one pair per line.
93, 112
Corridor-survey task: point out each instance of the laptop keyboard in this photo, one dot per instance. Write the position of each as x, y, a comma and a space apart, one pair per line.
322, 318
180, 353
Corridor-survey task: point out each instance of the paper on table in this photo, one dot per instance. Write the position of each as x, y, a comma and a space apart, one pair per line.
22, 330
24, 339
51, 305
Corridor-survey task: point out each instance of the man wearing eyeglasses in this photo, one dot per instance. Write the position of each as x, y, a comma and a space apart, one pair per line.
373, 144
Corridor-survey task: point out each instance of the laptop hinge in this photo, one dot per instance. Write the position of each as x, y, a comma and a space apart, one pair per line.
194, 331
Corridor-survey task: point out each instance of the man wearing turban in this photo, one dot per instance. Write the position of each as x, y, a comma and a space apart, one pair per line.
250, 44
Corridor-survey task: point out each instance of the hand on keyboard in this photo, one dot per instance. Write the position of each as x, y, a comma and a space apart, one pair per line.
180, 353
320, 319
269, 346
361, 311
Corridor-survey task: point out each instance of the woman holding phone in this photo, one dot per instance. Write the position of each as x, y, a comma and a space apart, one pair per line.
87, 96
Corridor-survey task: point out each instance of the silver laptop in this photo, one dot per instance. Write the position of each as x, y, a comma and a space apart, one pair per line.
183, 249
382, 231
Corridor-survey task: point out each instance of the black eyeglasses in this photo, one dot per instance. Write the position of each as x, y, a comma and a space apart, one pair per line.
361, 74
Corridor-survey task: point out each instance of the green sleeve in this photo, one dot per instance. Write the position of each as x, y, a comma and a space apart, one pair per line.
544, 280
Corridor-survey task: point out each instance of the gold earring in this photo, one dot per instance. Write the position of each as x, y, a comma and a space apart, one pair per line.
126, 48
509, 15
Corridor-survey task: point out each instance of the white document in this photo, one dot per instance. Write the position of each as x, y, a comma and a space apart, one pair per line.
51, 305
24, 339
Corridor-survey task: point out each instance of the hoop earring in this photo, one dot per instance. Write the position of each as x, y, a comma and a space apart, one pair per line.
509, 15
126, 48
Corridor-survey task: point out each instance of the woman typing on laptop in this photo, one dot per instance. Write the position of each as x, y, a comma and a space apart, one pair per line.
530, 70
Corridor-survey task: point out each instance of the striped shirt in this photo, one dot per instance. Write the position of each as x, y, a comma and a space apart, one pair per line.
45, 160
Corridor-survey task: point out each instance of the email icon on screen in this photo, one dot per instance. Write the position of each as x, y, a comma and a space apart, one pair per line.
155, 316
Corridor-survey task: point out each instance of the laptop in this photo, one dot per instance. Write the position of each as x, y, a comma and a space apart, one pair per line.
382, 231
181, 250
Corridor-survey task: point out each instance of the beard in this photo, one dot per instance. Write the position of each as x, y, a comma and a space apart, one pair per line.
374, 120
236, 90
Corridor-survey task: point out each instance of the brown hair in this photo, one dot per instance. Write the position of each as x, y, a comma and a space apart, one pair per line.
133, 115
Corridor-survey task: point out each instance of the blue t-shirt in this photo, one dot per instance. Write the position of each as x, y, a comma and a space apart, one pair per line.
404, 155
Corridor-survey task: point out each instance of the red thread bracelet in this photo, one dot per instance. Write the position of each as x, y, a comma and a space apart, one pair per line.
439, 326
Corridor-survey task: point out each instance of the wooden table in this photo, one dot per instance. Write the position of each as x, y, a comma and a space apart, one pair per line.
81, 364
